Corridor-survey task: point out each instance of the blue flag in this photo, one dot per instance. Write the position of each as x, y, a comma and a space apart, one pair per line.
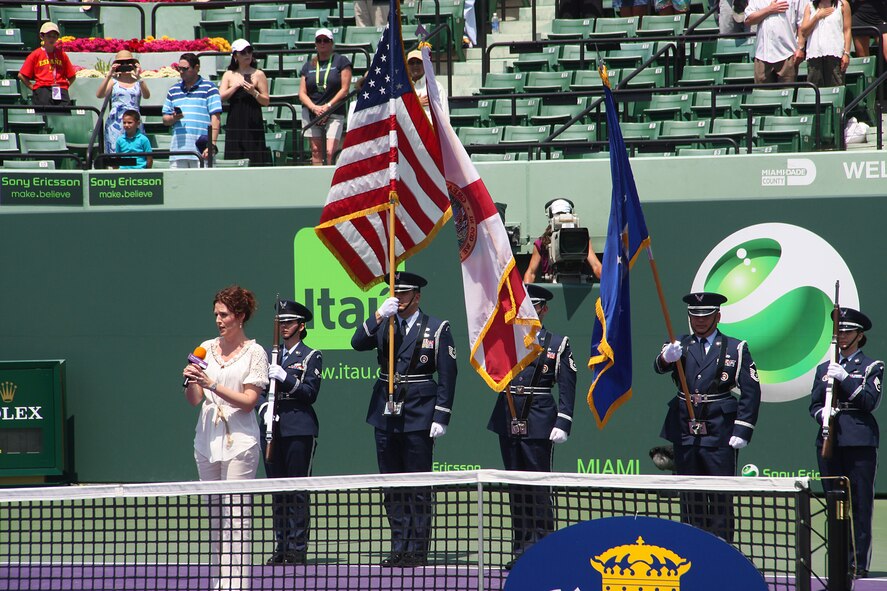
627, 234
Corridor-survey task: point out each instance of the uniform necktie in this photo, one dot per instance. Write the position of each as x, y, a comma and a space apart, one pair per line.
403, 327
702, 346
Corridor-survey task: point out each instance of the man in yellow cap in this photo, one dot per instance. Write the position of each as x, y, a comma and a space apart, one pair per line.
417, 75
47, 71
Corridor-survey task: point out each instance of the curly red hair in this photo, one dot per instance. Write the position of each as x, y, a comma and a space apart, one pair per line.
238, 301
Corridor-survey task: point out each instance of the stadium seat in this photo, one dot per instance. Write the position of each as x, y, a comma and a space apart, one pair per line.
25, 19
501, 83
11, 40
640, 131
9, 92
629, 55
683, 130
523, 110
662, 25
860, 73
703, 26
573, 28
704, 151
483, 136
76, 128
832, 101
558, 113
736, 129
25, 121
548, 81
704, 75
470, 115
12, 66
285, 89
519, 133
792, 133
740, 49
492, 157
577, 134
283, 119
225, 22
452, 11
574, 58
42, 143
647, 78
8, 143
285, 65
545, 60
345, 18
75, 22
161, 141
269, 39
29, 164
614, 27
364, 37
669, 106
591, 80
301, 16
726, 105
739, 73
277, 143
262, 16
768, 101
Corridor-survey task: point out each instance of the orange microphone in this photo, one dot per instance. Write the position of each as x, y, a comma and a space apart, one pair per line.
197, 358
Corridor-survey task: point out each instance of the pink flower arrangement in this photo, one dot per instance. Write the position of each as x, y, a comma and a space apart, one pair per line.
147, 45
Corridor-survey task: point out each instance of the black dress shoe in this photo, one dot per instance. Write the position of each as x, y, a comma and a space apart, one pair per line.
295, 557
414, 559
395, 559
861, 574
276, 558
509, 565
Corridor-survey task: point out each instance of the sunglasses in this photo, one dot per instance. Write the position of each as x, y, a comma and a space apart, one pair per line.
323, 40
184, 68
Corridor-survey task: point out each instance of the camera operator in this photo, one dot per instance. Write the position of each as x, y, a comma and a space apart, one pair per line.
560, 215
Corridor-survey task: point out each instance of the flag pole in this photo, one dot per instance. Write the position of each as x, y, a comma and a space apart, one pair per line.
392, 206
392, 202
682, 377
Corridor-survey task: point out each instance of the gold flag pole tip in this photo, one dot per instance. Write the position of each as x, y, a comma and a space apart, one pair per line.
605, 78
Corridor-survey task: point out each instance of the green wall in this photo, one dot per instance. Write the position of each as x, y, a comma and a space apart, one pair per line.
123, 294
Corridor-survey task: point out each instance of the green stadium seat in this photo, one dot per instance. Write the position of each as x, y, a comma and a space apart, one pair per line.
739, 73
548, 81
25, 121
470, 115
578, 133
832, 101
42, 143
539, 155
301, 16
573, 28
9, 92
860, 74
343, 19
591, 80
492, 157
544, 60
704, 151
683, 130
482, 136
285, 89
519, 133
703, 26
283, 120
648, 78
451, 10
226, 22
11, 40
791, 133
615, 27
765, 149
287, 66
704, 75
160, 163
558, 113
736, 129
277, 145
12, 14
640, 131
12, 66
408, 12
364, 37
668, 25
76, 128
599, 155
269, 39
740, 49
629, 55
572, 57
161, 141
669, 106
74, 22
8, 143
726, 105
502, 83
269, 113
263, 16
653, 155
523, 110
769, 101
29, 164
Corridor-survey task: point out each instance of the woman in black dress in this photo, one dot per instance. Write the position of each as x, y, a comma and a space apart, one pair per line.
245, 87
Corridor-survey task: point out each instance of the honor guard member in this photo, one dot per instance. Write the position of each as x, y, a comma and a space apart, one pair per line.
298, 374
405, 431
857, 393
716, 366
529, 422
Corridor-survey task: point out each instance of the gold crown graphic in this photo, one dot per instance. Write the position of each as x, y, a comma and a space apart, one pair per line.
7, 391
633, 567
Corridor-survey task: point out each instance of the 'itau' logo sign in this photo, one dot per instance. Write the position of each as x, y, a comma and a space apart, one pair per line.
779, 281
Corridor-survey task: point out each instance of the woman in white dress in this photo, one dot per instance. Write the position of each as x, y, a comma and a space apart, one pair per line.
226, 442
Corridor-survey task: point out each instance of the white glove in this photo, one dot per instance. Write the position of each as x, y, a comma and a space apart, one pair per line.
275, 372
262, 408
833, 412
671, 352
737, 442
558, 435
389, 307
835, 370
437, 430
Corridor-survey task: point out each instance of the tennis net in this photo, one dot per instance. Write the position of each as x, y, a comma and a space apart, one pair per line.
448, 531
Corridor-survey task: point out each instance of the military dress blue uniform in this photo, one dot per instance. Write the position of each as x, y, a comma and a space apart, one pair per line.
711, 377
855, 439
295, 439
532, 517
403, 442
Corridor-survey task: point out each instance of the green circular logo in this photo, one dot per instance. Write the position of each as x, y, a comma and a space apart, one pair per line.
779, 281
750, 470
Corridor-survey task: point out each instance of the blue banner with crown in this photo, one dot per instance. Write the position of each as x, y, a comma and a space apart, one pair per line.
631, 554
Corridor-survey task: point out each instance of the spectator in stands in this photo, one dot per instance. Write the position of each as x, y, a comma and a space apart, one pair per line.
826, 28
191, 106
47, 71
245, 87
778, 50
226, 442
326, 79
470, 21
628, 8
133, 140
581, 9
417, 75
540, 266
124, 82
671, 6
370, 13
869, 13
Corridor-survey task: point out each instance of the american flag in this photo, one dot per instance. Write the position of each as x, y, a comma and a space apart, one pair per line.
390, 147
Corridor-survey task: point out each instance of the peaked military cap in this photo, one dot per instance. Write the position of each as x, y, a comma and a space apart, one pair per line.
404, 281
538, 295
703, 303
290, 310
851, 319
